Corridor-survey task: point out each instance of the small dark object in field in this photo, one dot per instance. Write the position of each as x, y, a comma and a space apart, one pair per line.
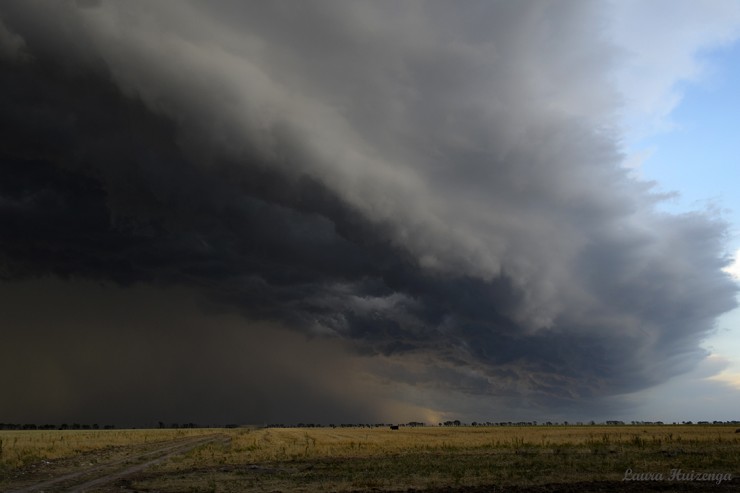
737, 431
394, 427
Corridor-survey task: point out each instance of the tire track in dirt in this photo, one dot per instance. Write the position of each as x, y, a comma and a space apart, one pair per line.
81, 481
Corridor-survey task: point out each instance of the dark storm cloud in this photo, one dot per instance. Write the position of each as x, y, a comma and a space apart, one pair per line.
139, 355
434, 185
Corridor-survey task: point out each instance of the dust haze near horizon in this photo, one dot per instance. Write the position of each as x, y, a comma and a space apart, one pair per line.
334, 211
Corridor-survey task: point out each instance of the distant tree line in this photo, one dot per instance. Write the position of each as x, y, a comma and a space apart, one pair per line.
581, 423
78, 426
64, 426
457, 422
342, 425
162, 425
410, 424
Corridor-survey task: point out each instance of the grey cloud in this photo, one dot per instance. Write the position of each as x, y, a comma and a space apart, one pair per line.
427, 184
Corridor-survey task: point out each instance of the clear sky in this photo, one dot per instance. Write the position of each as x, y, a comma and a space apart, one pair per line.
345, 211
696, 156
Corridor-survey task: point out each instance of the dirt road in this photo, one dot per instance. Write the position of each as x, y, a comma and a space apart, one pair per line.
92, 478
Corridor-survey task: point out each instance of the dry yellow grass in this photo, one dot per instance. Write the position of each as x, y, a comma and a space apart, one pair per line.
18, 448
347, 459
293, 443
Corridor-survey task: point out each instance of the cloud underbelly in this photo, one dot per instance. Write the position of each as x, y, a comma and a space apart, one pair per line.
440, 193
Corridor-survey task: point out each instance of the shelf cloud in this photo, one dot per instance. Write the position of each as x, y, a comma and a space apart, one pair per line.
430, 200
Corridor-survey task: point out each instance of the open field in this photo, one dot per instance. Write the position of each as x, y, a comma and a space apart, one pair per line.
542, 458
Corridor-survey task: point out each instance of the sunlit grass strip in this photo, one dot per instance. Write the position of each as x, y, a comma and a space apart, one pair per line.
18, 448
350, 458
292, 443
300, 459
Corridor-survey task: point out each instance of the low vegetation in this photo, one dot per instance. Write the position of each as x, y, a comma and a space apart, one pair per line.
346, 459
21, 448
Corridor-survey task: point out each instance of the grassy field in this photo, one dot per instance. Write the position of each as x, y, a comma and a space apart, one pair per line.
20, 449
346, 459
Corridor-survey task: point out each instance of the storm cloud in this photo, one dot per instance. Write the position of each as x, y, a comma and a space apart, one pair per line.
434, 191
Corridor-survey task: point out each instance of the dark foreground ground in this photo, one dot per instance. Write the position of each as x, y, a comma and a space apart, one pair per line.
595, 487
135, 474
574, 459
